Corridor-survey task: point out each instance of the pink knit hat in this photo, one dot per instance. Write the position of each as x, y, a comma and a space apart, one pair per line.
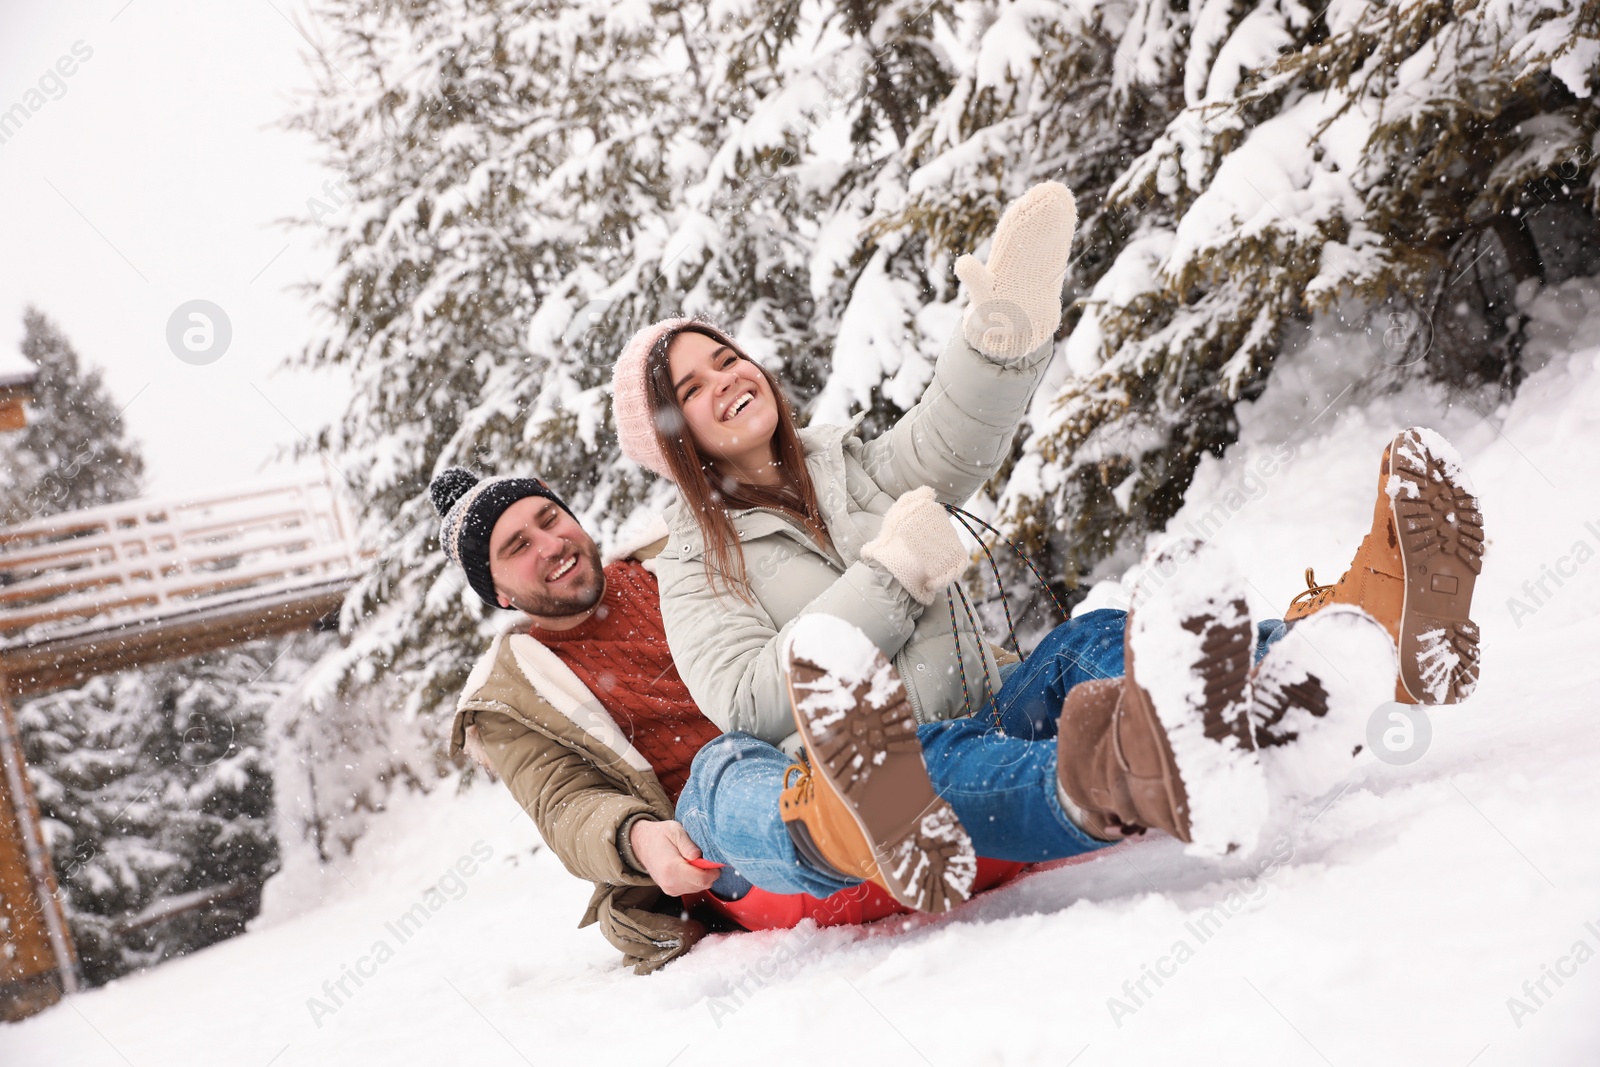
630, 394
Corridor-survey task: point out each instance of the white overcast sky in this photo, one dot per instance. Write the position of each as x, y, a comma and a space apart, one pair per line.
156, 178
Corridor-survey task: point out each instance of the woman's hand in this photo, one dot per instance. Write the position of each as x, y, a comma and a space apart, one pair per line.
918, 545
665, 850
1015, 300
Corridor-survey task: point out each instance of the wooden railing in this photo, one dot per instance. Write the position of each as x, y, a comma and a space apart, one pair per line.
153, 557
90, 591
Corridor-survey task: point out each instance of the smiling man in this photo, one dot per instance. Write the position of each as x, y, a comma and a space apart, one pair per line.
578, 706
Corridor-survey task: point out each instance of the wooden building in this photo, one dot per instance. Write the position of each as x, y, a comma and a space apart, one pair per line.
36, 954
16, 389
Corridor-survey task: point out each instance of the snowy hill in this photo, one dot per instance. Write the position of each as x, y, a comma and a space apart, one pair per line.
1445, 912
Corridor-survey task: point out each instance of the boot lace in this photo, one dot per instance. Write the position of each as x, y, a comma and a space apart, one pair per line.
1313, 594
805, 787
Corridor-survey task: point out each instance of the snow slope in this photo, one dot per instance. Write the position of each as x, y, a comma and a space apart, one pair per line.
1389, 922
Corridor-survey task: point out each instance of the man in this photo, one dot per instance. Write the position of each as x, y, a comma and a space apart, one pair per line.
578, 706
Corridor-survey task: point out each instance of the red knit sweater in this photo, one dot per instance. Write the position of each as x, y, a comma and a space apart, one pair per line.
620, 652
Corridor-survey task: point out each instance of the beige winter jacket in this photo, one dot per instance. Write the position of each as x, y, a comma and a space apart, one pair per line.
582, 782
953, 439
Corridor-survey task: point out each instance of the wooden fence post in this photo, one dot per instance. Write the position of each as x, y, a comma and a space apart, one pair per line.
37, 960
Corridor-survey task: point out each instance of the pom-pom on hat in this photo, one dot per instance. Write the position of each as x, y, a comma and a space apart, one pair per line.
469, 507
630, 392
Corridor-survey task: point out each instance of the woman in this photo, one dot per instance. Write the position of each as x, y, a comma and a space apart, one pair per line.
776, 523
773, 517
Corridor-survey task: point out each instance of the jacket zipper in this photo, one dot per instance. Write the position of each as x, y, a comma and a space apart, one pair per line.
806, 538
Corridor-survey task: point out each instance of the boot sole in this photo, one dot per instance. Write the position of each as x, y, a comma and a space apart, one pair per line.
870, 758
1440, 530
1218, 790
1312, 695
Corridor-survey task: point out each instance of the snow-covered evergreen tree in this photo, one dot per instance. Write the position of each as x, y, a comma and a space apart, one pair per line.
1374, 159
495, 151
156, 794
74, 452
543, 179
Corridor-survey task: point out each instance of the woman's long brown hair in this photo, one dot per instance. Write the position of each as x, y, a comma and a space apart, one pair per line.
712, 492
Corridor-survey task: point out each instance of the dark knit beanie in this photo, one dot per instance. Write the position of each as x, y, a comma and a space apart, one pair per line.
469, 507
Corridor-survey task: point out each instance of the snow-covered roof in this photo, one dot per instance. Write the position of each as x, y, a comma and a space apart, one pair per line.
15, 371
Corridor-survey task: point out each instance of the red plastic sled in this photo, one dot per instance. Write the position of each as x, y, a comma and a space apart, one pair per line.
864, 903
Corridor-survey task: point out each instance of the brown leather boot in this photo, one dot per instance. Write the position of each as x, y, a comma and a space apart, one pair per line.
1170, 746
825, 836
1416, 568
863, 806
1112, 796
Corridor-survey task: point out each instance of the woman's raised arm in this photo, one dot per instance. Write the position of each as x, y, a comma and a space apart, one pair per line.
957, 435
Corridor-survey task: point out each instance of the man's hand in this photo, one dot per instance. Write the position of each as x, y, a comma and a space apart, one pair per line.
665, 850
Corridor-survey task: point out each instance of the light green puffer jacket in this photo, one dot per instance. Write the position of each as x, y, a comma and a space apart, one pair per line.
727, 650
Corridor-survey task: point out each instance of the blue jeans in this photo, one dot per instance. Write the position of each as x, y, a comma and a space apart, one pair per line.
1089, 646
1001, 784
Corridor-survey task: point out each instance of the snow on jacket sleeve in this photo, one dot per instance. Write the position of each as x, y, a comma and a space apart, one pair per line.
735, 674
955, 437
577, 809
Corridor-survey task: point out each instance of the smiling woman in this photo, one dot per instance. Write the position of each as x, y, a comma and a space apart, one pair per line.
727, 403
742, 448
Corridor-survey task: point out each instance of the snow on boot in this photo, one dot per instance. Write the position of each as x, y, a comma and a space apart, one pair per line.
1416, 568
1169, 745
864, 807
1311, 697
1014, 303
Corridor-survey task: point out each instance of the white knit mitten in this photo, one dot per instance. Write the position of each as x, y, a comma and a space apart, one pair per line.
918, 546
1015, 300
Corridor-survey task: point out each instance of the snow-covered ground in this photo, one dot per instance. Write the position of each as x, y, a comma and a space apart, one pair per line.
1445, 912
